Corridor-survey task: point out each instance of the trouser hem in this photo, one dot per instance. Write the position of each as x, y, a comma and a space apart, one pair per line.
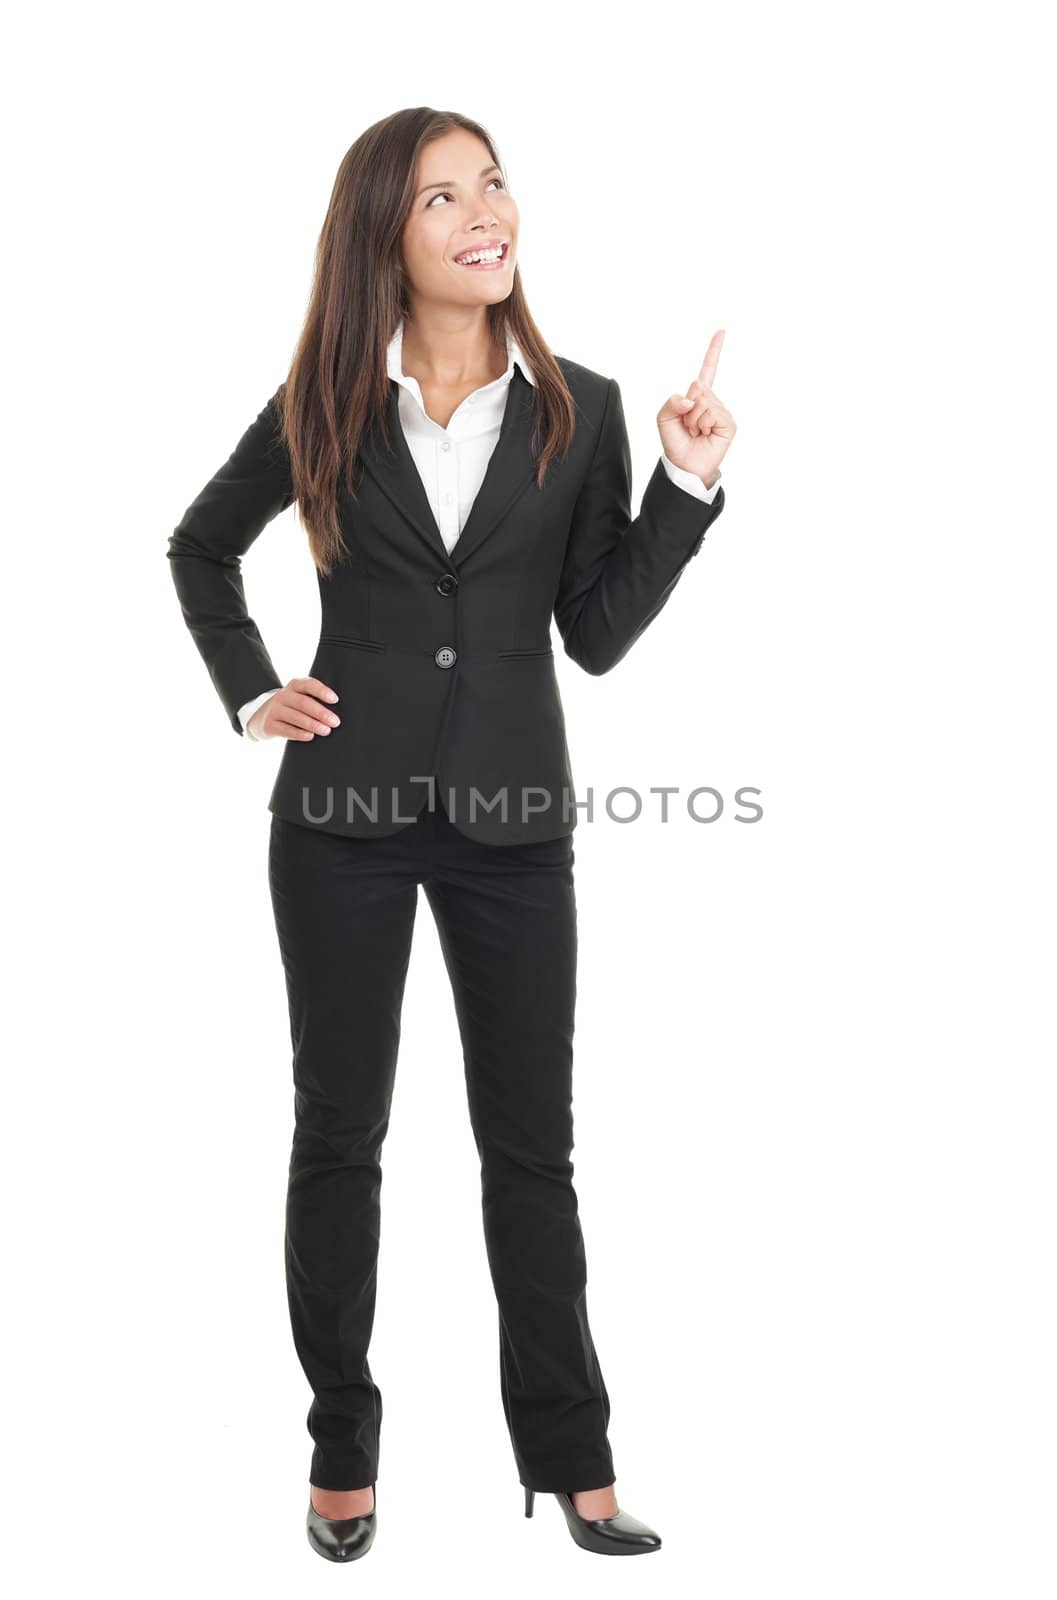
331, 1474
568, 1476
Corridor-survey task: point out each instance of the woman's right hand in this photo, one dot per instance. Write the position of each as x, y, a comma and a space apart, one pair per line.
295, 712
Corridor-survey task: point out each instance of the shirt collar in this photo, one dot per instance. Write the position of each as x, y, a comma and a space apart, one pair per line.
514, 353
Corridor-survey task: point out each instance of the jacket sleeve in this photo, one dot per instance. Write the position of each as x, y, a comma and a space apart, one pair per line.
619, 571
205, 552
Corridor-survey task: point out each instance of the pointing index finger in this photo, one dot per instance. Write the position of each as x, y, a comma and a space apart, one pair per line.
707, 375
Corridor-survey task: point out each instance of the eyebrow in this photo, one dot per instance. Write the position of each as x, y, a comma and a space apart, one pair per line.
451, 183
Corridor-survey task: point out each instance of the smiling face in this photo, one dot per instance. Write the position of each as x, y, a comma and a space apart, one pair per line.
461, 204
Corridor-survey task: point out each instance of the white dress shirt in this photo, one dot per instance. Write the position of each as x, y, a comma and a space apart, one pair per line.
451, 461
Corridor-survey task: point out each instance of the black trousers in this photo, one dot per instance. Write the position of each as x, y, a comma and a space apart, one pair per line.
506, 918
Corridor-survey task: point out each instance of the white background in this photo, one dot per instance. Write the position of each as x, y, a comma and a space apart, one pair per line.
814, 1094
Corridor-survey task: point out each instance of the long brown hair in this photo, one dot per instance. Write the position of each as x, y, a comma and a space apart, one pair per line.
338, 387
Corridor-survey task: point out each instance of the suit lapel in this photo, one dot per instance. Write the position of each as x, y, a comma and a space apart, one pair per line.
509, 472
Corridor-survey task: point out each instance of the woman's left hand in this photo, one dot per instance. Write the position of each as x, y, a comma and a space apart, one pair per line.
696, 429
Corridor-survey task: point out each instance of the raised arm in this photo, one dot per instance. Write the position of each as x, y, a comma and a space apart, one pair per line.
619, 571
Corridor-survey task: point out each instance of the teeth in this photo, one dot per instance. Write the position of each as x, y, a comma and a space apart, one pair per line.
480, 255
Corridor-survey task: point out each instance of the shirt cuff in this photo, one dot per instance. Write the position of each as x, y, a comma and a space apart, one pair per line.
245, 713
690, 481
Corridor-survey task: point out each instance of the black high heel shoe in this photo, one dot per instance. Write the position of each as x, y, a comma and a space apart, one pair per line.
345, 1538
620, 1535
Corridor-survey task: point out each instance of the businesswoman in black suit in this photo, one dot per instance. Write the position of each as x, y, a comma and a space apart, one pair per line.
459, 485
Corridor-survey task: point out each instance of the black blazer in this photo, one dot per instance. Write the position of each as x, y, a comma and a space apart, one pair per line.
443, 663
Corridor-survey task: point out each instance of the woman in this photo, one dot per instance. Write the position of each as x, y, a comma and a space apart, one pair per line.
445, 533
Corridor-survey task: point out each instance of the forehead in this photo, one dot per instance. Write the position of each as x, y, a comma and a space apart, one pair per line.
458, 153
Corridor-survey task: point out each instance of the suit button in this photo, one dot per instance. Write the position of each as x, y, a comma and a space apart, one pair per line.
446, 585
445, 656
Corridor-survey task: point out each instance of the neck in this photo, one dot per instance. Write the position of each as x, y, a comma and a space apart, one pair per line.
450, 349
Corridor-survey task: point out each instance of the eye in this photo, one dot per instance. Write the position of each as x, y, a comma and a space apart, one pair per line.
446, 193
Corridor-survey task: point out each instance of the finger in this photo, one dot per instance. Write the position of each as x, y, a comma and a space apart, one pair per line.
707, 374
312, 718
313, 686
700, 419
281, 722
716, 407
717, 411
676, 406
308, 704
288, 714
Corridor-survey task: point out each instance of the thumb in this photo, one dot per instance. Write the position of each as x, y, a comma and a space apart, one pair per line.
677, 406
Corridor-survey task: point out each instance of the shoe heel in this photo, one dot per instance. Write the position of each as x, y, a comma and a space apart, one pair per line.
530, 1495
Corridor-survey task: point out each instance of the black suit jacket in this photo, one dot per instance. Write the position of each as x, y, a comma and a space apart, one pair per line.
443, 664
